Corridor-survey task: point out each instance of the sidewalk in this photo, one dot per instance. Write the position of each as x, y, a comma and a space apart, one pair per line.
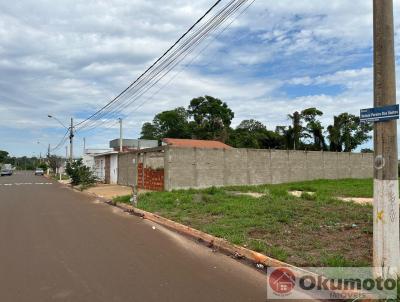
110, 191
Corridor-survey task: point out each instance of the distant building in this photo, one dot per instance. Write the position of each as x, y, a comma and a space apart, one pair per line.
195, 143
89, 154
104, 162
106, 167
133, 144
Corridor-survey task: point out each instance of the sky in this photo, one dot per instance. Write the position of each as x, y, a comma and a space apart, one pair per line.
69, 58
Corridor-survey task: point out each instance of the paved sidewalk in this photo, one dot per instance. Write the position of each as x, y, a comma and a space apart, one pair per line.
109, 191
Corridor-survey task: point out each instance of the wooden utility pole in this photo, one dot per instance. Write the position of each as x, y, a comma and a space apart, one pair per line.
120, 135
71, 141
386, 249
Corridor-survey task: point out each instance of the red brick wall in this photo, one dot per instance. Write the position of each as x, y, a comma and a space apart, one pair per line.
153, 179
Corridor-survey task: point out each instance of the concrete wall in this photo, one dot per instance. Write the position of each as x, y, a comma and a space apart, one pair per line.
128, 165
127, 169
199, 168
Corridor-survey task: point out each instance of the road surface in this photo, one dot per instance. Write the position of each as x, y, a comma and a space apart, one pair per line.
60, 245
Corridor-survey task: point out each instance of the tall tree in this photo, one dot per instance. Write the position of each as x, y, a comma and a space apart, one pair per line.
285, 133
212, 118
313, 128
335, 143
296, 131
249, 134
55, 162
3, 156
149, 131
172, 123
347, 133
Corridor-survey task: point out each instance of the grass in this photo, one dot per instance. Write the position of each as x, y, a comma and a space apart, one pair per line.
311, 230
57, 177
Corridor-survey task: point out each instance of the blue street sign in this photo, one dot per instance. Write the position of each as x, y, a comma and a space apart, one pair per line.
379, 114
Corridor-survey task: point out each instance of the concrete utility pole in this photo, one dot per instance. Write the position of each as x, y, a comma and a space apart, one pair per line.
386, 186
48, 151
71, 140
120, 134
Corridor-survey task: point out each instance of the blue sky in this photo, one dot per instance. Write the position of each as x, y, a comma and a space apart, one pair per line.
71, 57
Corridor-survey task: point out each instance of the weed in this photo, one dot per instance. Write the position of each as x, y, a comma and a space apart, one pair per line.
278, 224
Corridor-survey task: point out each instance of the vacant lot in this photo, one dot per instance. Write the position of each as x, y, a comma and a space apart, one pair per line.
310, 230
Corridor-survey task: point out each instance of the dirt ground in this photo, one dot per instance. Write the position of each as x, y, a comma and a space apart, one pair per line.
359, 200
109, 191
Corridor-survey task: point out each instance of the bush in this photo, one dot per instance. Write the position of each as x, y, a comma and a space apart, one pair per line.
80, 174
43, 166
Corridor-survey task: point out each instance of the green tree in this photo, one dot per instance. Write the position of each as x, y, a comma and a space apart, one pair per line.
285, 133
80, 174
55, 162
367, 150
3, 156
313, 129
347, 133
172, 123
334, 138
254, 134
252, 126
295, 132
249, 134
43, 166
212, 118
148, 131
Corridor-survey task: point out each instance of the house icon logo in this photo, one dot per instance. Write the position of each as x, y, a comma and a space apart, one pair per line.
282, 281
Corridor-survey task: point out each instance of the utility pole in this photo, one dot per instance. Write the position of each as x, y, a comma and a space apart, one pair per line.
48, 151
386, 253
120, 134
71, 140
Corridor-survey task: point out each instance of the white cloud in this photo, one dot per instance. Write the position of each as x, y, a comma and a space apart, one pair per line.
71, 57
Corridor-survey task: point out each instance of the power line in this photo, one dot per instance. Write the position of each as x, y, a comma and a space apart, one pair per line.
172, 61
105, 123
142, 82
61, 143
165, 53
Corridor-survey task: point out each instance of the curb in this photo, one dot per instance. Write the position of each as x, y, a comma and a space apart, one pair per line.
222, 245
235, 251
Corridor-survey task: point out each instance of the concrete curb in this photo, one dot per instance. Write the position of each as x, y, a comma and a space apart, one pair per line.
235, 251
228, 248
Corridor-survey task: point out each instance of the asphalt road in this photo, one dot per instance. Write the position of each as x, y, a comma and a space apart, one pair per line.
60, 245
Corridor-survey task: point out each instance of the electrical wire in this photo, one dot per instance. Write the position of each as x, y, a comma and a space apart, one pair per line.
144, 80
165, 53
61, 143
178, 55
105, 126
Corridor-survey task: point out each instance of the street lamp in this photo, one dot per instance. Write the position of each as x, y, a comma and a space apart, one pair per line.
61, 123
71, 134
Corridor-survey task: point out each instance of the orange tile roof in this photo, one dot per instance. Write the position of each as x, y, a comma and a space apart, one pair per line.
195, 143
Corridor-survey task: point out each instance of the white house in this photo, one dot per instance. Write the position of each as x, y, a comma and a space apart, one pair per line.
106, 167
88, 157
